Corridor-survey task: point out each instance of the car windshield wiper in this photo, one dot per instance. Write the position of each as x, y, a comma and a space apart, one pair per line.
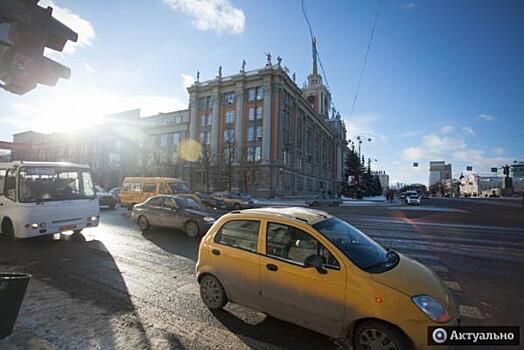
391, 256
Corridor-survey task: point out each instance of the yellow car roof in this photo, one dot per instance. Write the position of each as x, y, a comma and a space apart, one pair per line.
310, 216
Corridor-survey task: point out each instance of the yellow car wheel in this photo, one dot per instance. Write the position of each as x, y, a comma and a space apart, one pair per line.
376, 335
212, 292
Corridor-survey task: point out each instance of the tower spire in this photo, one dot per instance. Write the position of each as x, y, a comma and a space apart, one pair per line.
314, 40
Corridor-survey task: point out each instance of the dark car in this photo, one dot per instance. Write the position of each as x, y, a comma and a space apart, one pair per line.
173, 211
105, 199
116, 193
210, 201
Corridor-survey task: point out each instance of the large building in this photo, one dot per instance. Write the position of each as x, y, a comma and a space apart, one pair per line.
267, 136
439, 173
255, 131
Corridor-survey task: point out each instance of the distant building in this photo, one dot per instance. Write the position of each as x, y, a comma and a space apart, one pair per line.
109, 149
383, 178
439, 172
477, 185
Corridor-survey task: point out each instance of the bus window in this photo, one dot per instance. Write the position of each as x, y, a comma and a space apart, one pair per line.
164, 189
149, 188
2, 177
10, 185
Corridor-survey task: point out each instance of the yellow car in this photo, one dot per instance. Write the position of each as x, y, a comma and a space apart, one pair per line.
312, 269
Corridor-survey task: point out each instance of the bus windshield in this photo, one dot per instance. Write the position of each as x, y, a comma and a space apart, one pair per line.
38, 184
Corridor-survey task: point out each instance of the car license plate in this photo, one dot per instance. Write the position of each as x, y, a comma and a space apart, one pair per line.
66, 228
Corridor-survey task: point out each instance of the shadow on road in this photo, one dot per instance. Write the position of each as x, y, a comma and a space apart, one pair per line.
174, 241
274, 332
87, 287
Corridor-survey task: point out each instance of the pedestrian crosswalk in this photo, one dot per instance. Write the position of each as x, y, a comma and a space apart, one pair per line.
431, 243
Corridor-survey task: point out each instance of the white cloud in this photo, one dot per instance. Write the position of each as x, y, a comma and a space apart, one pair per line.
447, 129
499, 150
218, 15
487, 117
187, 80
469, 131
89, 67
80, 25
409, 6
365, 125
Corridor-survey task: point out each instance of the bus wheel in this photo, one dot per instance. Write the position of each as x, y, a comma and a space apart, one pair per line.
8, 230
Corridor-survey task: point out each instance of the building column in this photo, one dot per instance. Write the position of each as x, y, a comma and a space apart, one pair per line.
215, 126
266, 137
193, 120
239, 122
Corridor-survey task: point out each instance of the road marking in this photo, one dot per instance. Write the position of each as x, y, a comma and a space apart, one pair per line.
470, 312
453, 285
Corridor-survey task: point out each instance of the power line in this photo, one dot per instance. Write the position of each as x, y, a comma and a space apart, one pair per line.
365, 58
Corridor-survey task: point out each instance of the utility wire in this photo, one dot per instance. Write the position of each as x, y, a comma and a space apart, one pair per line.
365, 58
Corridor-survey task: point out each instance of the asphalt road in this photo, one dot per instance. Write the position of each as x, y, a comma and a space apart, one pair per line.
114, 287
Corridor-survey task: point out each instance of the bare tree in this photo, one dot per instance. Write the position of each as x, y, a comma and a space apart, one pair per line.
249, 165
206, 158
229, 156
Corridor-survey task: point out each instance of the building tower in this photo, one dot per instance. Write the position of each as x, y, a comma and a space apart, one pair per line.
315, 92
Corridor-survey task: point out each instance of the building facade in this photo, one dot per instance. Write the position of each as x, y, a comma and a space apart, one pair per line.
383, 178
439, 172
266, 136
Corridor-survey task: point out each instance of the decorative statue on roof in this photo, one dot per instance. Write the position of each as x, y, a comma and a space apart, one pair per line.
294, 77
268, 55
279, 60
220, 72
198, 76
243, 69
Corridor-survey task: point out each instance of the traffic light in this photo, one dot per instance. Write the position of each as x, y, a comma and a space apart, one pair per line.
26, 29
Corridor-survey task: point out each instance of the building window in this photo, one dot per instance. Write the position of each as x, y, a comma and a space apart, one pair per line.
163, 140
260, 93
230, 117
204, 138
203, 120
229, 135
229, 98
255, 113
256, 93
178, 119
205, 102
254, 154
176, 138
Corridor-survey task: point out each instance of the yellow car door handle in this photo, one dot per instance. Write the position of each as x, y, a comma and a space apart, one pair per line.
272, 267
215, 251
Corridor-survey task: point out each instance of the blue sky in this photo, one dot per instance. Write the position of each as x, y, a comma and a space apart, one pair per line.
444, 79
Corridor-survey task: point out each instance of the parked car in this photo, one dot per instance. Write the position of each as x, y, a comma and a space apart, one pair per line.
212, 202
323, 200
413, 200
116, 192
312, 269
105, 199
234, 200
173, 211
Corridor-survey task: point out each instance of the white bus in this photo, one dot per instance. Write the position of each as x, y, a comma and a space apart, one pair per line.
38, 199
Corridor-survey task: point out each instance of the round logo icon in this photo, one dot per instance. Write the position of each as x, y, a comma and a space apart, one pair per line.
439, 335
